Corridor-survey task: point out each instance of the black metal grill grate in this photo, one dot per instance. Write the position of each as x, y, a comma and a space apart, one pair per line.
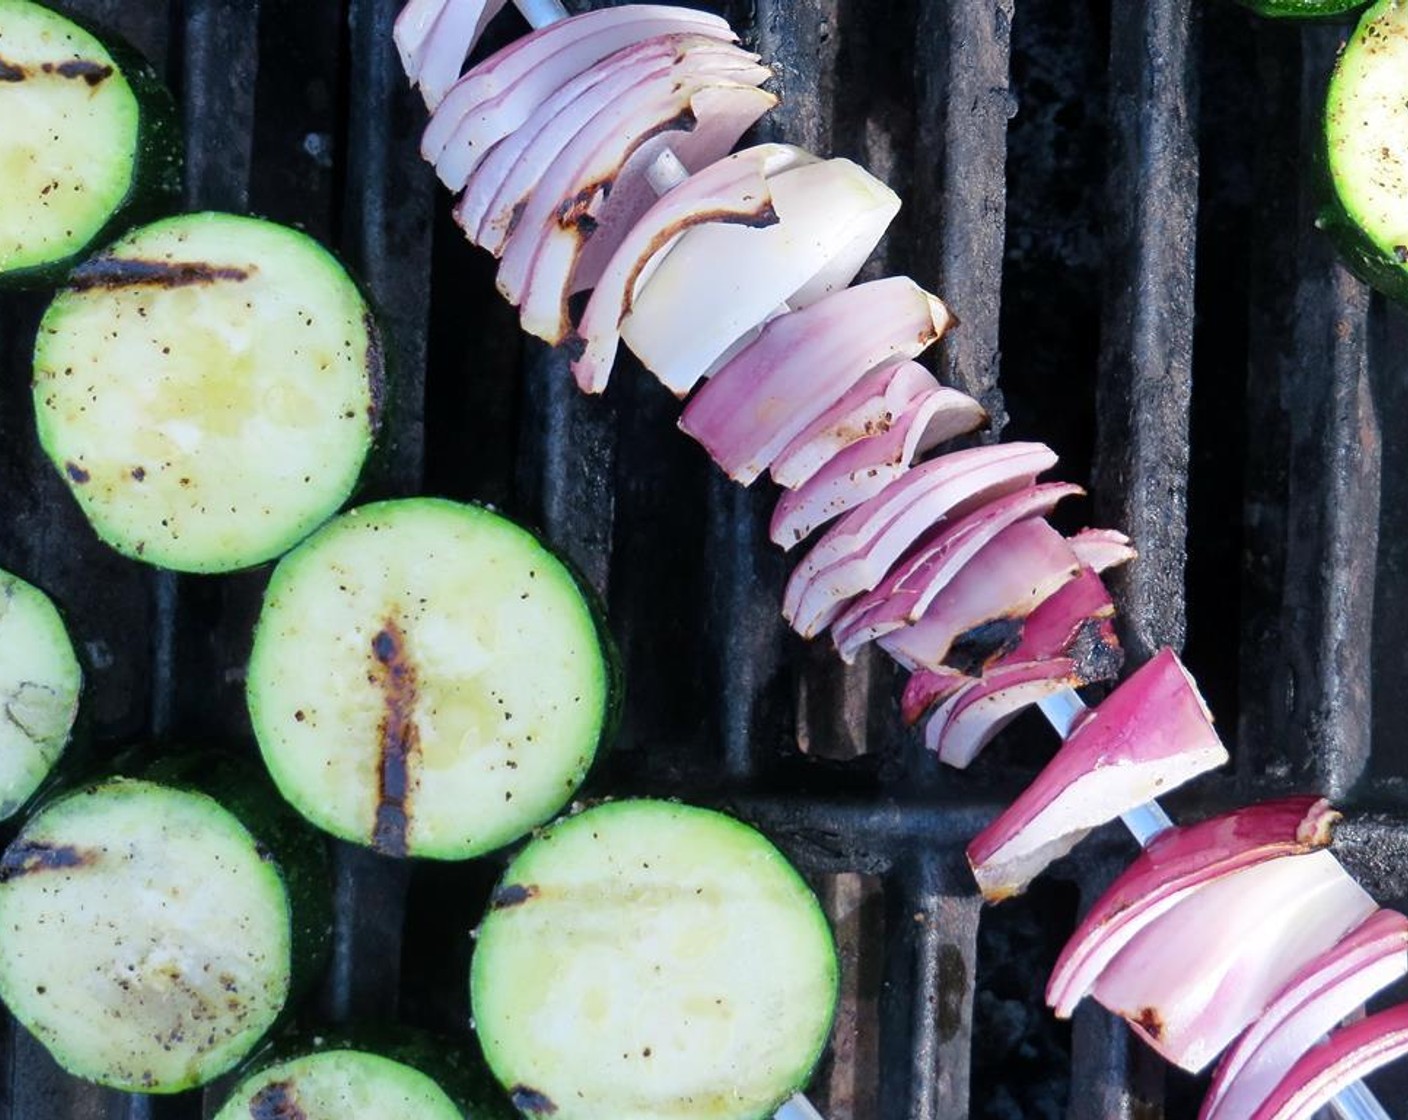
1066, 241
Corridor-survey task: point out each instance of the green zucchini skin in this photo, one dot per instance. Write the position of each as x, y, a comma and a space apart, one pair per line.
429, 679
1302, 9
158, 160
456, 1066
1374, 246
654, 960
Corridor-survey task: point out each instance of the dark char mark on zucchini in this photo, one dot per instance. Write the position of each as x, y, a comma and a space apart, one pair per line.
276, 1102
526, 1099
512, 894
26, 859
94, 73
400, 737
109, 273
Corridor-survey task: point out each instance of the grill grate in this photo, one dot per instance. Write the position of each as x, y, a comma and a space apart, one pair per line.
1077, 223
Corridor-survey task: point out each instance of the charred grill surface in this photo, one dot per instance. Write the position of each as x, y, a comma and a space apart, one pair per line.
1117, 202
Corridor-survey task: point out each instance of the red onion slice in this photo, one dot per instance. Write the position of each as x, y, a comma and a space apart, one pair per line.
928, 687
1148, 737
733, 189
719, 282
553, 48
785, 379
980, 615
495, 99
1102, 549
906, 592
1350, 1055
868, 408
855, 554
412, 25
969, 719
436, 64
1330, 988
1194, 978
597, 187
509, 176
867, 466
1175, 865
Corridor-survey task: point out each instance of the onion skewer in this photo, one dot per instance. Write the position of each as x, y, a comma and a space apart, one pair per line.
1064, 710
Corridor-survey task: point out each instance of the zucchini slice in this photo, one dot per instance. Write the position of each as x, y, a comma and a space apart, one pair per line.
1302, 9
90, 142
428, 679
39, 685
1366, 134
209, 389
149, 933
650, 960
399, 1075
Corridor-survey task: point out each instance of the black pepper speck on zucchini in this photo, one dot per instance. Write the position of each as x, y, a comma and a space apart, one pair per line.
1366, 137
90, 143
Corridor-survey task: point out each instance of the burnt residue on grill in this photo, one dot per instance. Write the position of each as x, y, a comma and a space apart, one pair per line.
376, 372
276, 1101
532, 1101
110, 273
395, 676
28, 857
1096, 650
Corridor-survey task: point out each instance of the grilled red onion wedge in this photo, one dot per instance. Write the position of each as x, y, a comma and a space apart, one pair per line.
1330, 988
967, 721
1194, 940
905, 594
508, 178
869, 465
928, 687
1149, 736
867, 409
719, 281
597, 187
733, 189
767, 393
500, 95
857, 552
1350, 1055
433, 50
979, 616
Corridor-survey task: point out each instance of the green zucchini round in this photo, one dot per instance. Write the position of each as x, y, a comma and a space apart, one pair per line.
652, 960
91, 143
1366, 144
153, 934
209, 389
1302, 9
390, 1073
429, 679
40, 681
